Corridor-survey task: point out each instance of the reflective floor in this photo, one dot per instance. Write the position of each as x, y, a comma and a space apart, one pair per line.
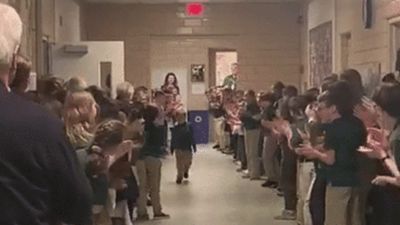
216, 195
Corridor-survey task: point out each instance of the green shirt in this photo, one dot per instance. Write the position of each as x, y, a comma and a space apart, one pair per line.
230, 82
344, 136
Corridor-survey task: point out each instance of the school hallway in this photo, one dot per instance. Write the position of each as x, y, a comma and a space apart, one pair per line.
216, 195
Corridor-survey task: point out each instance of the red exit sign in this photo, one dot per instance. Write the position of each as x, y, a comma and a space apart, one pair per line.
194, 9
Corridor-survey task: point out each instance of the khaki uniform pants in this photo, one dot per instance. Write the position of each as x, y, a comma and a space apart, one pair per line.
219, 125
270, 159
342, 206
149, 172
183, 161
251, 138
304, 179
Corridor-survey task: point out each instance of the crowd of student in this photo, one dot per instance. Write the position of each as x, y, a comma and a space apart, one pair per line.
119, 142
72, 154
332, 153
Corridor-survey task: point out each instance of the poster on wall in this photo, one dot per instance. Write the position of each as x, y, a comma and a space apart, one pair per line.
197, 72
320, 54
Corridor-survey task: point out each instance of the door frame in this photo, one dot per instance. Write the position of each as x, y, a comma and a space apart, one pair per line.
212, 53
394, 24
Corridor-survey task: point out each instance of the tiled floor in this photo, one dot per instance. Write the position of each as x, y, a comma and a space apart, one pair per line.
216, 195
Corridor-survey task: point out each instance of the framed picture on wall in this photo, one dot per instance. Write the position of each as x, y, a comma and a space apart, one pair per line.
197, 72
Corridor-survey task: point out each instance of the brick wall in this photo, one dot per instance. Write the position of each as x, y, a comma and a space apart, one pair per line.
266, 36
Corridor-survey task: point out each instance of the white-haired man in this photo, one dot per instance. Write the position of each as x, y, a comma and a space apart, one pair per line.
41, 182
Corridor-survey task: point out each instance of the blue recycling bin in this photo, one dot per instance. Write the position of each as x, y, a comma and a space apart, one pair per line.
200, 124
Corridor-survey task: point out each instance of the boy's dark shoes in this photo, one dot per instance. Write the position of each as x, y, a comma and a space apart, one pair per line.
270, 184
186, 175
143, 217
161, 216
215, 147
179, 180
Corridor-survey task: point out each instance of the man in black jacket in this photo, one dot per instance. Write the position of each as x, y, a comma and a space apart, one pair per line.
41, 182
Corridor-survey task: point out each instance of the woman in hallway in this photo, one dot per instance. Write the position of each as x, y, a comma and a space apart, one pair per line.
170, 83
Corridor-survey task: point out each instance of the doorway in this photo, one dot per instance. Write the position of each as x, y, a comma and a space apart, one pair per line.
106, 76
345, 46
220, 64
395, 45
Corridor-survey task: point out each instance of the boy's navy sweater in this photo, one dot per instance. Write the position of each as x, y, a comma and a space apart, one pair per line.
182, 138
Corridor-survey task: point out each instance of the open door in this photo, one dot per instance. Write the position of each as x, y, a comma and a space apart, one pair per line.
220, 61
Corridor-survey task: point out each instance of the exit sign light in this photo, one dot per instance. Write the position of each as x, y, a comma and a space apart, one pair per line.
194, 9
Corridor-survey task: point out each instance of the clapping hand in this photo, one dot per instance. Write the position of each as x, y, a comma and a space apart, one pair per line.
367, 113
283, 128
377, 139
305, 136
372, 153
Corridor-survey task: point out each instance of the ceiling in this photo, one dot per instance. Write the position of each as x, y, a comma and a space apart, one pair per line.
183, 1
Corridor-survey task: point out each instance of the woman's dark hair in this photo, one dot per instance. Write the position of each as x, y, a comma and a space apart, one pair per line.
150, 114
340, 95
387, 96
109, 133
175, 79
353, 78
165, 85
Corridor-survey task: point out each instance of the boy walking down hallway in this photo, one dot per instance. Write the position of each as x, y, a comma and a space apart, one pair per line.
183, 144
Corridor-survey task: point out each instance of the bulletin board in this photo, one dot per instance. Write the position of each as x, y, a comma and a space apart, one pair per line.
320, 53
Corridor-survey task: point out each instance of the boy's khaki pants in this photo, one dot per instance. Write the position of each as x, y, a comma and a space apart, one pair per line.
183, 161
270, 159
251, 138
342, 206
219, 124
149, 172
305, 175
